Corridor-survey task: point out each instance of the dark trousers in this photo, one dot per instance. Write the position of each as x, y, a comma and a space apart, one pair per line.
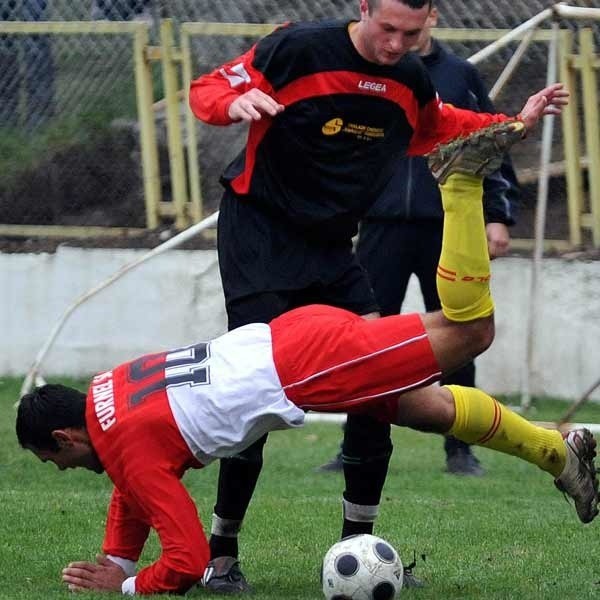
257, 250
391, 252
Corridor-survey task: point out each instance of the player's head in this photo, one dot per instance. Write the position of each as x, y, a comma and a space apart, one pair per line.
423, 45
51, 423
388, 29
373, 4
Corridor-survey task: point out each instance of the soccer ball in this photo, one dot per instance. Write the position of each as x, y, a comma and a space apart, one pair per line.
362, 567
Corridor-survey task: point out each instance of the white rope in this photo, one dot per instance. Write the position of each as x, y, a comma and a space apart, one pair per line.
33, 373
340, 418
510, 36
540, 227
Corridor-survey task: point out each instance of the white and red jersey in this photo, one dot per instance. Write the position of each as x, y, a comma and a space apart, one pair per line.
154, 417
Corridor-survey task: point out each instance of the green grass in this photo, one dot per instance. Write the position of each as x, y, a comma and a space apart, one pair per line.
507, 535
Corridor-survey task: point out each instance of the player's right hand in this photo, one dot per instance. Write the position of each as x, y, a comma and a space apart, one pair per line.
103, 575
251, 105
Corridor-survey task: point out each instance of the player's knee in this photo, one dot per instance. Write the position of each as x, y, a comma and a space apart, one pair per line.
479, 335
430, 409
484, 334
366, 439
252, 454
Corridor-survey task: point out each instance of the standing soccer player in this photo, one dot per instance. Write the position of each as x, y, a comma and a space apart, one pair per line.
402, 232
332, 107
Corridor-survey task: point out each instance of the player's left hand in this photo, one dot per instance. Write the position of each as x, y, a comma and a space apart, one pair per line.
498, 239
103, 575
548, 101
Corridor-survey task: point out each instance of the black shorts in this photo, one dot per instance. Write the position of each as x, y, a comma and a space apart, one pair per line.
268, 267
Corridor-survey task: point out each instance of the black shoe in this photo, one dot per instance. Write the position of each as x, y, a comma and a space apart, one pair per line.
335, 464
410, 581
224, 576
462, 462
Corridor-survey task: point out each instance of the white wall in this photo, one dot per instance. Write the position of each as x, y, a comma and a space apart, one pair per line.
176, 299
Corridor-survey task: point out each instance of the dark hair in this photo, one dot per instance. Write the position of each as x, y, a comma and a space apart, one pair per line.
415, 4
46, 409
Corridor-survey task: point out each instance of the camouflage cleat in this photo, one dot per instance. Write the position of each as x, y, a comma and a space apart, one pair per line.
479, 153
224, 576
578, 479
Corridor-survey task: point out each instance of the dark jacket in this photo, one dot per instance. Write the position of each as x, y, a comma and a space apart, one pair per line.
412, 193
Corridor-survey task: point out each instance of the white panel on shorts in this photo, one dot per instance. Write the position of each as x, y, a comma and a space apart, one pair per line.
242, 400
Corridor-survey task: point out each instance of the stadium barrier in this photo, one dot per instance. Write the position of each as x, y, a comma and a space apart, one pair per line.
137, 36
168, 66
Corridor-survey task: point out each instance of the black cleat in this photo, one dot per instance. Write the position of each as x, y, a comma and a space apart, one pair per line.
410, 581
336, 464
463, 462
224, 576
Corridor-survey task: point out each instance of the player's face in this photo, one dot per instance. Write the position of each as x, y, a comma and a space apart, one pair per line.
423, 45
391, 31
71, 457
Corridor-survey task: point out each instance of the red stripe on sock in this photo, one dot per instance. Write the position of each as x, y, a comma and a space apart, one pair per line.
495, 425
442, 276
440, 268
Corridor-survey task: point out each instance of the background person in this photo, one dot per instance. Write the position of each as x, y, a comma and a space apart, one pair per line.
402, 233
119, 10
332, 106
26, 68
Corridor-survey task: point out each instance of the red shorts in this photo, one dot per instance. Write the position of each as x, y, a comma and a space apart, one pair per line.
331, 360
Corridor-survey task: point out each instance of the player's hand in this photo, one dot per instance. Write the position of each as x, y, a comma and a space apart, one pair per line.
498, 239
548, 101
103, 575
252, 105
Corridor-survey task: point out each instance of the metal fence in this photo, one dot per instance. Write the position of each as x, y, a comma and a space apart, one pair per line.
69, 124
69, 114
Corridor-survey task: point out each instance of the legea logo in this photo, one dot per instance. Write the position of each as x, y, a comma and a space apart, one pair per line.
372, 86
333, 126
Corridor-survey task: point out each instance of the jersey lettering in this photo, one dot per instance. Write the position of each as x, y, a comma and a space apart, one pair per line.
374, 86
184, 366
104, 400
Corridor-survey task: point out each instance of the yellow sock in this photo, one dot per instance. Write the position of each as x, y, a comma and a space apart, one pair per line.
464, 269
483, 421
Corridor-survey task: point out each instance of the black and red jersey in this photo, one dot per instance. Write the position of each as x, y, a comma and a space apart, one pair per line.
323, 161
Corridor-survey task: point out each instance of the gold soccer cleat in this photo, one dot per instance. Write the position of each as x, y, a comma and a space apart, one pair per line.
479, 153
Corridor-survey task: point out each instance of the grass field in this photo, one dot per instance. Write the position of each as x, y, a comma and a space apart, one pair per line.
507, 535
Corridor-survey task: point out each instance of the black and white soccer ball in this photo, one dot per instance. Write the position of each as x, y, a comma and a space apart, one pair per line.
362, 567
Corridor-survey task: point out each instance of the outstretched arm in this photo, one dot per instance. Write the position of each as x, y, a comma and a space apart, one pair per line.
438, 123
549, 101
